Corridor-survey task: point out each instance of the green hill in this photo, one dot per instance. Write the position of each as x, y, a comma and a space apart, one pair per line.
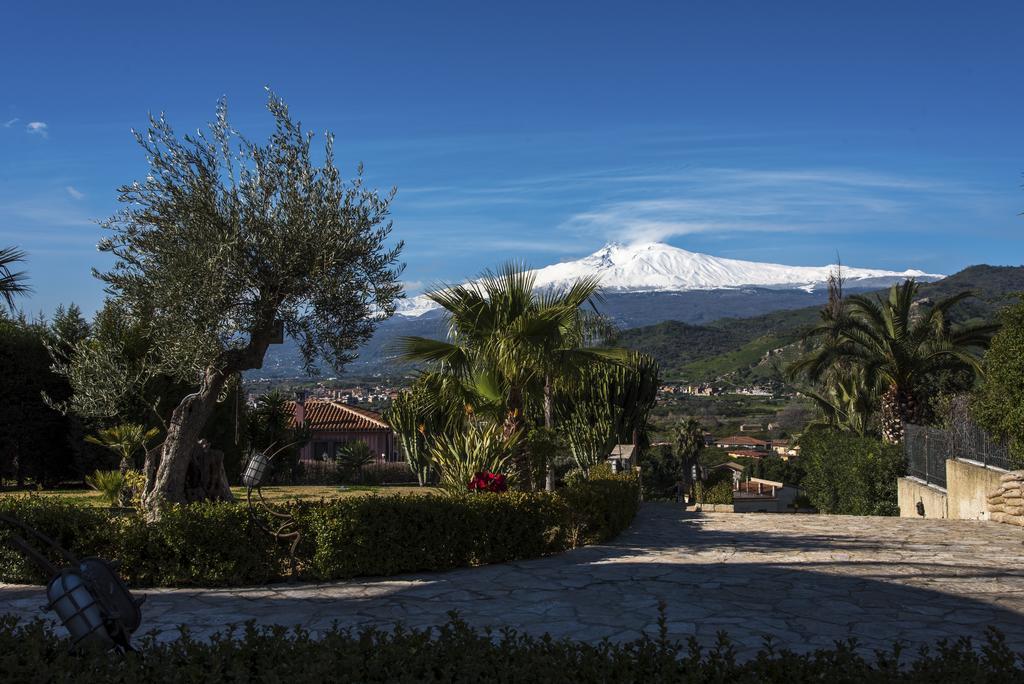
754, 349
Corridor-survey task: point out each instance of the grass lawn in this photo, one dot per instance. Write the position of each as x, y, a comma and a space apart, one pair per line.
270, 492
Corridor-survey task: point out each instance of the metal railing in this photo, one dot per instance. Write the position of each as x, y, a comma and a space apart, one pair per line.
927, 449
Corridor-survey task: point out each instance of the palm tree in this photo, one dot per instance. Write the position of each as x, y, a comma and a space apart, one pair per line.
847, 402
689, 443
508, 343
895, 342
126, 440
12, 283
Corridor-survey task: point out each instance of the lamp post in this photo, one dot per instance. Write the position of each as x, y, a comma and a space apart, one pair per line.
90, 600
284, 525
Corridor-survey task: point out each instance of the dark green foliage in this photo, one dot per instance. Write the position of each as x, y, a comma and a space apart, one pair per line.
790, 472
717, 487
36, 442
674, 344
851, 475
719, 492
195, 545
455, 652
270, 430
998, 405
390, 535
212, 544
660, 471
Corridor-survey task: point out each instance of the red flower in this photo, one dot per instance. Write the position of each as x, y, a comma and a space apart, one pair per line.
488, 482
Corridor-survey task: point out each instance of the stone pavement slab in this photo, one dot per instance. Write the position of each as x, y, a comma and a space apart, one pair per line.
804, 580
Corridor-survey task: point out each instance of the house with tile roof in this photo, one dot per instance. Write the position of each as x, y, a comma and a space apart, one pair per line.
742, 442
333, 424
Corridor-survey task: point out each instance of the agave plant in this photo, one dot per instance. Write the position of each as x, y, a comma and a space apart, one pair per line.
479, 448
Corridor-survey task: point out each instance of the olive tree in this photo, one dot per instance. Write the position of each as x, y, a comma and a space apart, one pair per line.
225, 245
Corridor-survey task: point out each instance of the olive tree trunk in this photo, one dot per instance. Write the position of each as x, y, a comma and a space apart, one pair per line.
184, 473
185, 469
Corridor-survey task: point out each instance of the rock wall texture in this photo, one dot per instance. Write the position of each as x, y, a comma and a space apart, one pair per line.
1006, 503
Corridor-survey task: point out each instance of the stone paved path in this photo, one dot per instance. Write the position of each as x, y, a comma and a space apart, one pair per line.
805, 580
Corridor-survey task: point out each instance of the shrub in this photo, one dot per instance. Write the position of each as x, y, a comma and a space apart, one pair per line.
717, 493
478, 448
109, 483
849, 474
456, 653
214, 544
601, 506
207, 544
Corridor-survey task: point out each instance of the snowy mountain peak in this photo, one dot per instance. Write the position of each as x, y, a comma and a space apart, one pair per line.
658, 267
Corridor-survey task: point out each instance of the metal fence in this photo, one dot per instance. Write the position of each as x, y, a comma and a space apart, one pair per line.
927, 449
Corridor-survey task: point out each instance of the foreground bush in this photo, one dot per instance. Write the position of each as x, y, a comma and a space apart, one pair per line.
213, 544
455, 653
849, 474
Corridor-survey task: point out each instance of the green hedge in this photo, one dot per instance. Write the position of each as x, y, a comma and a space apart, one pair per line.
212, 544
849, 474
456, 653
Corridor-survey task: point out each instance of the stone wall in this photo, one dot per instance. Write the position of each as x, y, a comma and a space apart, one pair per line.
969, 485
1006, 502
910, 491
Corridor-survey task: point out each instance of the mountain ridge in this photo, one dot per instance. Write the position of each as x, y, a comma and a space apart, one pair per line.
659, 267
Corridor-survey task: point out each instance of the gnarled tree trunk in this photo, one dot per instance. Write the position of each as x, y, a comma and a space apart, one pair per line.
184, 473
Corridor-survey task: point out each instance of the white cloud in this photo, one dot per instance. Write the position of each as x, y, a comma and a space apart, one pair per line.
728, 201
11, 122
75, 192
37, 128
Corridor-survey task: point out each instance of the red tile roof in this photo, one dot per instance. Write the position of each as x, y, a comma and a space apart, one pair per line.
327, 415
739, 440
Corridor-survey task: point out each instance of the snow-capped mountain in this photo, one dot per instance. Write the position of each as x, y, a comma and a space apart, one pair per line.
658, 267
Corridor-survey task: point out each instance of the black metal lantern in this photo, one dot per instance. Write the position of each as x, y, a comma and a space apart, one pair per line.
90, 600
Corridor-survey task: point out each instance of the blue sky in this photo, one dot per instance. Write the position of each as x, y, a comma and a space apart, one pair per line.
786, 132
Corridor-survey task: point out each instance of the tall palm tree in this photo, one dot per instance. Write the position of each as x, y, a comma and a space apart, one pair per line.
12, 283
689, 444
895, 342
509, 342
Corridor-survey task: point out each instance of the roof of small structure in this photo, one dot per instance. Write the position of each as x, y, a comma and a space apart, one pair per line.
334, 416
741, 440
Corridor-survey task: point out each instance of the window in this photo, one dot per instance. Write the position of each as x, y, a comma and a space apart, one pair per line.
321, 451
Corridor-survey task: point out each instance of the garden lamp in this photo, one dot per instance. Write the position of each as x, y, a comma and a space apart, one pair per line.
90, 600
284, 528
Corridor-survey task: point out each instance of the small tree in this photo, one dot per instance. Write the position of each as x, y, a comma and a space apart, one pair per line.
225, 246
998, 404
126, 441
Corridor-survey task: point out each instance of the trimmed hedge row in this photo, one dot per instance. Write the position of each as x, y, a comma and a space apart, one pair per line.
456, 653
213, 544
